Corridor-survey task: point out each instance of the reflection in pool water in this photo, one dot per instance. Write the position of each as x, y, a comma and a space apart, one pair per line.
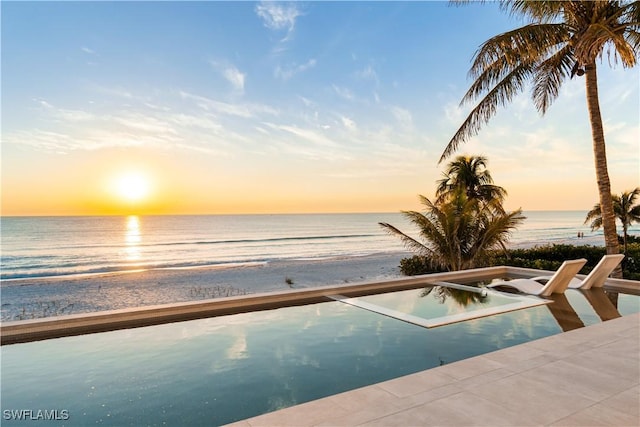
218, 370
435, 301
465, 303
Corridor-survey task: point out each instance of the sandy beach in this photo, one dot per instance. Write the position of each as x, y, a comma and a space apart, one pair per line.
42, 297
27, 298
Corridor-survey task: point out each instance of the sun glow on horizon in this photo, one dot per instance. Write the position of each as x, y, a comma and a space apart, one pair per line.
132, 186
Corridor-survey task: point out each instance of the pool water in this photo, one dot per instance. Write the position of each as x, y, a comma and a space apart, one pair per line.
219, 370
426, 307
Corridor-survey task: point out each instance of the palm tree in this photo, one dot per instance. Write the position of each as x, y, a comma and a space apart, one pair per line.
470, 174
624, 209
461, 297
458, 233
564, 39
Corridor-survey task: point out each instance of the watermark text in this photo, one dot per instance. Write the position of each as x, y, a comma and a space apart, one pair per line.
35, 414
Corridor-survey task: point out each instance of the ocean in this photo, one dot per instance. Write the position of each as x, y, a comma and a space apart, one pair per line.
35, 247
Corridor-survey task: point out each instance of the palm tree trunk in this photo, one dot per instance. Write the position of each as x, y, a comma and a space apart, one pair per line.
600, 157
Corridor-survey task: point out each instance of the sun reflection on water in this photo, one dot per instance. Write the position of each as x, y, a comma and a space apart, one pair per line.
133, 238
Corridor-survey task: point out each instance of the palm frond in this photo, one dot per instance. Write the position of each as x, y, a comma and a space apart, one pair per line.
549, 77
633, 38
629, 212
634, 213
563, 36
624, 50
599, 40
525, 45
409, 242
458, 233
540, 11
595, 216
431, 231
624, 208
500, 94
630, 16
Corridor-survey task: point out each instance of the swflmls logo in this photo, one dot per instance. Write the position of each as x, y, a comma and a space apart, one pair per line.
36, 415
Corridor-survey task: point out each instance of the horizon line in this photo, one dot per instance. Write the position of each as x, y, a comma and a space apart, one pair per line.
241, 213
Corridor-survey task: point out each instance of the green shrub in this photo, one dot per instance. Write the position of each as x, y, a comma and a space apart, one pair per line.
416, 265
548, 257
630, 239
631, 263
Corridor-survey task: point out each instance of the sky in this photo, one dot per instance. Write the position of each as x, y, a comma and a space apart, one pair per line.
268, 107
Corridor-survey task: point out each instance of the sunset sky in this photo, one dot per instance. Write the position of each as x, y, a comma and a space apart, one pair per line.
245, 107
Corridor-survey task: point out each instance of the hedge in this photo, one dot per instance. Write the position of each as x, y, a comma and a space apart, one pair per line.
548, 257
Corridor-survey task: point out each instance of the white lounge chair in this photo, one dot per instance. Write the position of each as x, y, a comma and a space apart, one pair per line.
557, 284
597, 276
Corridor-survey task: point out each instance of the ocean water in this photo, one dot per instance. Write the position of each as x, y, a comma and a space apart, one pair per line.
33, 247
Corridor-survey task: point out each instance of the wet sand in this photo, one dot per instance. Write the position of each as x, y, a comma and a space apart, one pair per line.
29, 298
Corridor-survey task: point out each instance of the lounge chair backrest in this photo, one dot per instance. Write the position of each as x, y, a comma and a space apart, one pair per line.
559, 282
599, 274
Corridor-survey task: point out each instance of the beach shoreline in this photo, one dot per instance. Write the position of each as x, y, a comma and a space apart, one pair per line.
32, 298
28, 298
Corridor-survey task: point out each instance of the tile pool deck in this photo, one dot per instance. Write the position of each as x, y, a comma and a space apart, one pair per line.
586, 377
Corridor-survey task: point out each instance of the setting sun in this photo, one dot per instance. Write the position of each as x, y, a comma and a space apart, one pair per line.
132, 186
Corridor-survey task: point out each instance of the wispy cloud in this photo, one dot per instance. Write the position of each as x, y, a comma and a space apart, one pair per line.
402, 115
454, 113
240, 110
43, 140
279, 16
202, 124
88, 50
235, 77
145, 123
306, 143
65, 114
556, 152
212, 105
368, 73
43, 103
232, 74
387, 160
285, 73
117, 92
344, 93
306, 101
349, 124
306, 134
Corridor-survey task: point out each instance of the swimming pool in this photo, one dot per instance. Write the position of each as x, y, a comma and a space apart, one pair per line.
218, 370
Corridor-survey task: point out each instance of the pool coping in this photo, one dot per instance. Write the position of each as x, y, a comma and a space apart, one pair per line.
84, 323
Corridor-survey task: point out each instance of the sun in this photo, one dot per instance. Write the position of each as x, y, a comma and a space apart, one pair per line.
132, 186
